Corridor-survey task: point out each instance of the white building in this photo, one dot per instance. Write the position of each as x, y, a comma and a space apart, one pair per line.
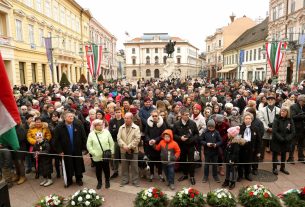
146, 56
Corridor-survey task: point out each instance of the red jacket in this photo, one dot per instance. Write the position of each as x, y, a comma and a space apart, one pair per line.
170, 151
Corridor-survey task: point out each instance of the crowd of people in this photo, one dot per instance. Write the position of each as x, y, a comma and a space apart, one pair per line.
173, 125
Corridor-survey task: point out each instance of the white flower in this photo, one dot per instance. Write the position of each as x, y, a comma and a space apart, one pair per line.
149, 195
88, 196
41, 201
85, 191
97, 197
72, 203
91, 191
80, 199
103, 199
150, 190
218, 196
185, 191
87, 203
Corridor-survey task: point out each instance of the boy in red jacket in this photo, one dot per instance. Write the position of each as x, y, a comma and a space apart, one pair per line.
170, 153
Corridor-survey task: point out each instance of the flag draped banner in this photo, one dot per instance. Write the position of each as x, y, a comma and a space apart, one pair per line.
9, 115
48, 43
275, 55
94, 60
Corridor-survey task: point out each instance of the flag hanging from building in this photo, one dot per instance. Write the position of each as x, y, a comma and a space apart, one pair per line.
94, 60
300, 52
9, 115
241, 56
275, 55
48, 43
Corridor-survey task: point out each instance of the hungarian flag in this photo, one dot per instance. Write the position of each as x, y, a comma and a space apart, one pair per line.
94, 60
275, 55
9, 115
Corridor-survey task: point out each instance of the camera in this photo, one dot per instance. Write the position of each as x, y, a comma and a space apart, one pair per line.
270, 125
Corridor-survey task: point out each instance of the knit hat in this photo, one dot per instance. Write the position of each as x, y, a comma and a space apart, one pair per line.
211, 123
197, 106
233, 131
219, 118
133, 110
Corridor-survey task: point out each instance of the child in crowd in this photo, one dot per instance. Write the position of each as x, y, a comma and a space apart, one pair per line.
44, 162
211, 140
170, 152
231, 156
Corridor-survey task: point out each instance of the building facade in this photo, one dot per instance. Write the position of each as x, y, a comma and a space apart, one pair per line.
287, 23
101, 36
146, 56
244, 59
221, 39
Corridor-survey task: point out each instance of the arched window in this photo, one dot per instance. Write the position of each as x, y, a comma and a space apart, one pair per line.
148, 73
157, 73
134, 73
147, 60
164, 59
156, 60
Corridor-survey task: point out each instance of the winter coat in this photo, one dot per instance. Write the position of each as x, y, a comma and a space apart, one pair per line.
258, 124
200, 122
130, 140
222, 129
170, 151
189, 130
21, 134
93, 145
144, 114
231, 153
114, 126
210, 137
172, 118
63, 144
31, 135
44, 161
298, 116
153, 131
235, 120
283, 131
263, 116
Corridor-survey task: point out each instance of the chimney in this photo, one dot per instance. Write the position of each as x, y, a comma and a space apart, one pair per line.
232, 17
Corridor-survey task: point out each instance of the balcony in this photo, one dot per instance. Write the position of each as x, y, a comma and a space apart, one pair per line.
5, 40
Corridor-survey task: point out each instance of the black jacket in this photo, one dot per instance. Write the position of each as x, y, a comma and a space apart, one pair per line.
210, 137
298, 116
232, 149
190, 130
114, 126
282, 133
241, 104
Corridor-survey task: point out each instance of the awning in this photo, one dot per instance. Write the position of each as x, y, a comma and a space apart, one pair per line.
226, 70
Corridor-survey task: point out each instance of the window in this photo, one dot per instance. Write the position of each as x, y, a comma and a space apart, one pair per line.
47, 6
280, 10
147, 60
29, 3
38, 5
164, 59
41, 37
156, 60
178, 50
43, 68
148, 73
18, 30
256, 75
21, 72
230, 59
68, 15
290, 34
33, 67
219, 58
274, 13
208, 48
134, 73
31, 34
250, 75
147, 50
259, 53
62, 15
133, 60
55, 11
219, 43
250, 55
303, 28
178, 60
263, 75
73, 26
292, 6
236, 58
156, 50
133, 50
247, 56
209, 60
254, 54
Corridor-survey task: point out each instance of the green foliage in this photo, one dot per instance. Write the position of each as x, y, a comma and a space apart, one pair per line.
86, 197
294, 197
82, 79
188, 197
64, 82
151, 197
257, 196
221, 198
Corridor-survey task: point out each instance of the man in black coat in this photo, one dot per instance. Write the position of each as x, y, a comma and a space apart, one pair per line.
297, 112
70, 139
186, 134
242, 102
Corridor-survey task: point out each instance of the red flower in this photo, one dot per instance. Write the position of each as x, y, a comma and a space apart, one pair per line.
156, 196
154, 191
303, 190
161, 194
191, 190
197, 192
251, 194
266, 195
192, 195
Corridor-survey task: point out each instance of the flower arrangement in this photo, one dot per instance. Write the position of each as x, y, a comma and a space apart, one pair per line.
152, 197
221, 198
86, 197
293, 197
188, 197
51, 201
257, 195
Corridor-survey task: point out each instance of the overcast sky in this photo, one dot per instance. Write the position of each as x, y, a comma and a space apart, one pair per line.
192, 20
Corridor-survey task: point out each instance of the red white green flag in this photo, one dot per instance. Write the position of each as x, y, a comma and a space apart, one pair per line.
94, 60
9, 115
275, 55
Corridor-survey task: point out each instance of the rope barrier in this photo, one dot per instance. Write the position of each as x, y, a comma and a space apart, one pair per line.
137, 160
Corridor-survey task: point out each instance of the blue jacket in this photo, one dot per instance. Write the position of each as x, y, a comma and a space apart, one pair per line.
210, 137
144, 114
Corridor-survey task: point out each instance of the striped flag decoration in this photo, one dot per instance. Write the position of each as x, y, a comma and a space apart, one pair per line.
94, 60
275, 55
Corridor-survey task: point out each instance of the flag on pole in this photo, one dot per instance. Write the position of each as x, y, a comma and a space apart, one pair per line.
275, 55
300, 52
48, 43
9, 115
94, 60
241, 56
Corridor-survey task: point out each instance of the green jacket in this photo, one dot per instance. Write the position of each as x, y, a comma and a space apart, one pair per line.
94, 147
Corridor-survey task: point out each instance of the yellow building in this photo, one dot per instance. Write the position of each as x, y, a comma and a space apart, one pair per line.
23, 26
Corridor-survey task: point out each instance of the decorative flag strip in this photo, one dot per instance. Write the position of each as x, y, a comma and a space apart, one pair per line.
275, 55
94, 60
89, 58
300, 52
48, 43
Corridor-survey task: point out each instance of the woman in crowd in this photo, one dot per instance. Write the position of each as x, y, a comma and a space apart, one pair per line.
173, 115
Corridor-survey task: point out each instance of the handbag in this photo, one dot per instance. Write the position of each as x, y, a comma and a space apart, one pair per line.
106, 153
196, 155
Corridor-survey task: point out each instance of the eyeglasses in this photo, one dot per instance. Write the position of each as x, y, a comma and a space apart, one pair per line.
155, 116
